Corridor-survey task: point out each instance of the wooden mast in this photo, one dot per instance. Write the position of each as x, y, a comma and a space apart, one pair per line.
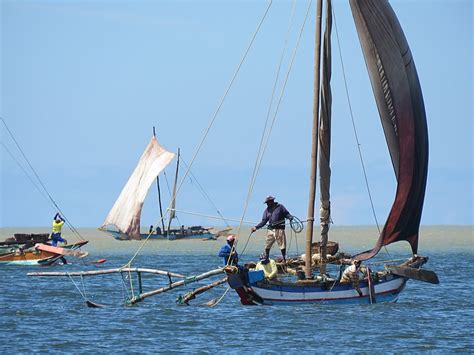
314, 144
173, 201
159, 195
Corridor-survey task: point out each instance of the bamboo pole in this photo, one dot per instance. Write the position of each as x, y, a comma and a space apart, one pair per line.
107, 271
192, 295
314, 144
175, 285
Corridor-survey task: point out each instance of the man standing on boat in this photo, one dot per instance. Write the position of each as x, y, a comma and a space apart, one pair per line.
56, 234
275, 214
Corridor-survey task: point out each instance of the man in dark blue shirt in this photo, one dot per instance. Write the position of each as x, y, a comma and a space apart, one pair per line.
275, 214
228, 252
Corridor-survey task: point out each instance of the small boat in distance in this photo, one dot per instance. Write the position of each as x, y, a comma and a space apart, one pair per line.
123, 220
34, 249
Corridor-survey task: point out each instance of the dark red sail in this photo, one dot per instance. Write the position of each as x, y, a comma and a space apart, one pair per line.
400, 104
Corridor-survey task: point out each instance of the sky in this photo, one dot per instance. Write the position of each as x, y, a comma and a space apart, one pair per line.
84, 82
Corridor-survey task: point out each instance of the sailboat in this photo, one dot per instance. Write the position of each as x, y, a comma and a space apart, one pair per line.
400, 104
123, 220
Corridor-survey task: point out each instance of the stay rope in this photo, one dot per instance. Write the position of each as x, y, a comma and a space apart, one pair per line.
267, 133
73, 229
203, 192
359, 149
211, 123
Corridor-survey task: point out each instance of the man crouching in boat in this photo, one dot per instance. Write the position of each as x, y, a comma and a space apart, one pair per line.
58, 222
268, 266
351, 275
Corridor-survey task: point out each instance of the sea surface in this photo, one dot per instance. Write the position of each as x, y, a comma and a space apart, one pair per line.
49, 315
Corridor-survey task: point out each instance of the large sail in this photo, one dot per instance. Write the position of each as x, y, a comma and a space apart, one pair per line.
400, 104
325, 134
126, 212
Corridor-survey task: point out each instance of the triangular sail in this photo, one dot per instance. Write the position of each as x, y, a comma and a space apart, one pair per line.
400, 103
126, 212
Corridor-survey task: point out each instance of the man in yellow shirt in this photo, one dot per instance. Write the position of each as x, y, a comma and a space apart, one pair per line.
58, 222
268, 266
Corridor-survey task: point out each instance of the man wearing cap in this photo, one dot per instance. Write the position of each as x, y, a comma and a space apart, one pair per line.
275, 215
228, 252
268, 266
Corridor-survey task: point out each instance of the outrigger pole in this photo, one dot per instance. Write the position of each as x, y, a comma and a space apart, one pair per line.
139, 271
315, 140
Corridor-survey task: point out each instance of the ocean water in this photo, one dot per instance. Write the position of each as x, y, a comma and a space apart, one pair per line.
48, 315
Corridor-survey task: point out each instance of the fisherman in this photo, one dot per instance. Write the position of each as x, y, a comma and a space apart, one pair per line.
58, 222
228, 252
275, 215
268, 266
351, 275
150, 231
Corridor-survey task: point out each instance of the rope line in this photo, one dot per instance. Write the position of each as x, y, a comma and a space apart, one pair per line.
353, 124
266, 136
77, 288
355, 129
205, 194
40, 181
221, 298
214, 117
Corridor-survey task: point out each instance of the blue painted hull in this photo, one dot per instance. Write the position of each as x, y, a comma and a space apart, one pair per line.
265, 292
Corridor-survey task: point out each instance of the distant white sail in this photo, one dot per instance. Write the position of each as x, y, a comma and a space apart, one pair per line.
126, 212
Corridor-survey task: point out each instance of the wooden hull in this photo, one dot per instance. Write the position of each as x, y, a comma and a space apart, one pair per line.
27, 257
34, 256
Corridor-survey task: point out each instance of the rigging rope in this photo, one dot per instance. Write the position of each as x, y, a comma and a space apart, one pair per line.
74, 230
27, 175
353, 124
211, 123
205, 194
266, 135
355, 129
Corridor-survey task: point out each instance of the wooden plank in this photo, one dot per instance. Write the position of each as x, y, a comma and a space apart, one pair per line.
412, 273
61, 251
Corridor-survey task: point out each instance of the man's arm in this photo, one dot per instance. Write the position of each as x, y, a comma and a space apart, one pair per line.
224, 252
286, 214
264, 221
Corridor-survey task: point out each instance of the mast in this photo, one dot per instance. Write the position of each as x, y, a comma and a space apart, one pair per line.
173, 201
314, 144
159, 194
325, 140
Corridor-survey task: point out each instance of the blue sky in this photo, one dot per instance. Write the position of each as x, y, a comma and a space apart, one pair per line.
83, 82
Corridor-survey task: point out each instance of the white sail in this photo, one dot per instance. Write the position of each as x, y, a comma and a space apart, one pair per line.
126, 212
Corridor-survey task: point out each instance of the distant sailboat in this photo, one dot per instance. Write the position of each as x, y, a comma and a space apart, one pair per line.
399, 99
123, 220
